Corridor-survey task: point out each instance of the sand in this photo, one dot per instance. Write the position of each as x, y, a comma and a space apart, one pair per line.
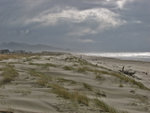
25, 94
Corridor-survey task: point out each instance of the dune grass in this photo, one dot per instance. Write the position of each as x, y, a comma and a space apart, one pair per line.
12, 56
46, 65
106, 71
81, 99
33, 72
59, 90
106, 107
68, 68
36, 57
73, 96
66, 80
118, 75
78, 60
98, 77
81, 70
9, 73
95, 69
128, 79
87, 86
121, 85
100, 93
42, 79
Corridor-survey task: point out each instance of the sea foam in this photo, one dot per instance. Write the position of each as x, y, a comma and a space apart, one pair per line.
141, 56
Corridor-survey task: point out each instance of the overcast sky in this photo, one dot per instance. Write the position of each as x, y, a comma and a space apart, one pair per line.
87, 25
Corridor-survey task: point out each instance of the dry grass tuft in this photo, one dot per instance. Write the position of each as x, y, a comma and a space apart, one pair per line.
13, 56
9, 74
66, 80
87, 86
121, 77
98, 77
33, 72
106, 107
42, 79
73, 96
68, 68
44, 66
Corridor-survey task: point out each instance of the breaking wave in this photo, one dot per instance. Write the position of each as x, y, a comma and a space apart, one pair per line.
142, 56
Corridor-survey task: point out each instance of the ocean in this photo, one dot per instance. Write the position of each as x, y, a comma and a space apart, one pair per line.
138, 56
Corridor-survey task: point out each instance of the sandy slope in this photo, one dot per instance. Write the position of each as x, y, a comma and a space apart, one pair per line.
25, 95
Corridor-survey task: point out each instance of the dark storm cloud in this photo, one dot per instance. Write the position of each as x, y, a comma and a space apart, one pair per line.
98, 25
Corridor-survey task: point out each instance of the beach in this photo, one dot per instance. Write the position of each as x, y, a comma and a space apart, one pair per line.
73, 83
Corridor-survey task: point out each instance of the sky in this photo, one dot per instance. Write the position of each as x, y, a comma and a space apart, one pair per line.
82, 25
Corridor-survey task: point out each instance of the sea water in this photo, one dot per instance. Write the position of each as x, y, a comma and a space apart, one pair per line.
138, 56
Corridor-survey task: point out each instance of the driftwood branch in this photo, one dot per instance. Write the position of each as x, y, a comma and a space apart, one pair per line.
127, 72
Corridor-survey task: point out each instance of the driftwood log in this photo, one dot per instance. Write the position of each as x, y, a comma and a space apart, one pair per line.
127, 72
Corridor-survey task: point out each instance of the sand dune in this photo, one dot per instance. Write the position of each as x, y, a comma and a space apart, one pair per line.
70, 84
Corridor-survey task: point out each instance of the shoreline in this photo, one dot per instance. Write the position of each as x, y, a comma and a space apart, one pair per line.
142, 68
132, 56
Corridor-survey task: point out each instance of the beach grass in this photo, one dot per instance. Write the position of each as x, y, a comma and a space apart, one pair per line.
87, 86
107, 108
73, 96
66, 80
42, 79
9, 73
68, 68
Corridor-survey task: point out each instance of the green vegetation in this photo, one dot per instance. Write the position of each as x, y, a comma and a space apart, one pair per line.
128, 79
106, 107
118, 75
121, 85
81, 70
73, 96
36, 57
78, 60
44, 65
66, 80
9, 73
105, 71
98, 77
28, 59
43, 79
68, 68
33, 72
12, 56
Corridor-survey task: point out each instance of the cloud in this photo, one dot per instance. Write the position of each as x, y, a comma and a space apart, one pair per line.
81, 32
138, 22
118, 3
103, 17
77, 23
30, 4
122, 3
86, 40
77, 16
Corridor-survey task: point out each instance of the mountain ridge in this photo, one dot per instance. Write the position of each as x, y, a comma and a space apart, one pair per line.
29, 47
